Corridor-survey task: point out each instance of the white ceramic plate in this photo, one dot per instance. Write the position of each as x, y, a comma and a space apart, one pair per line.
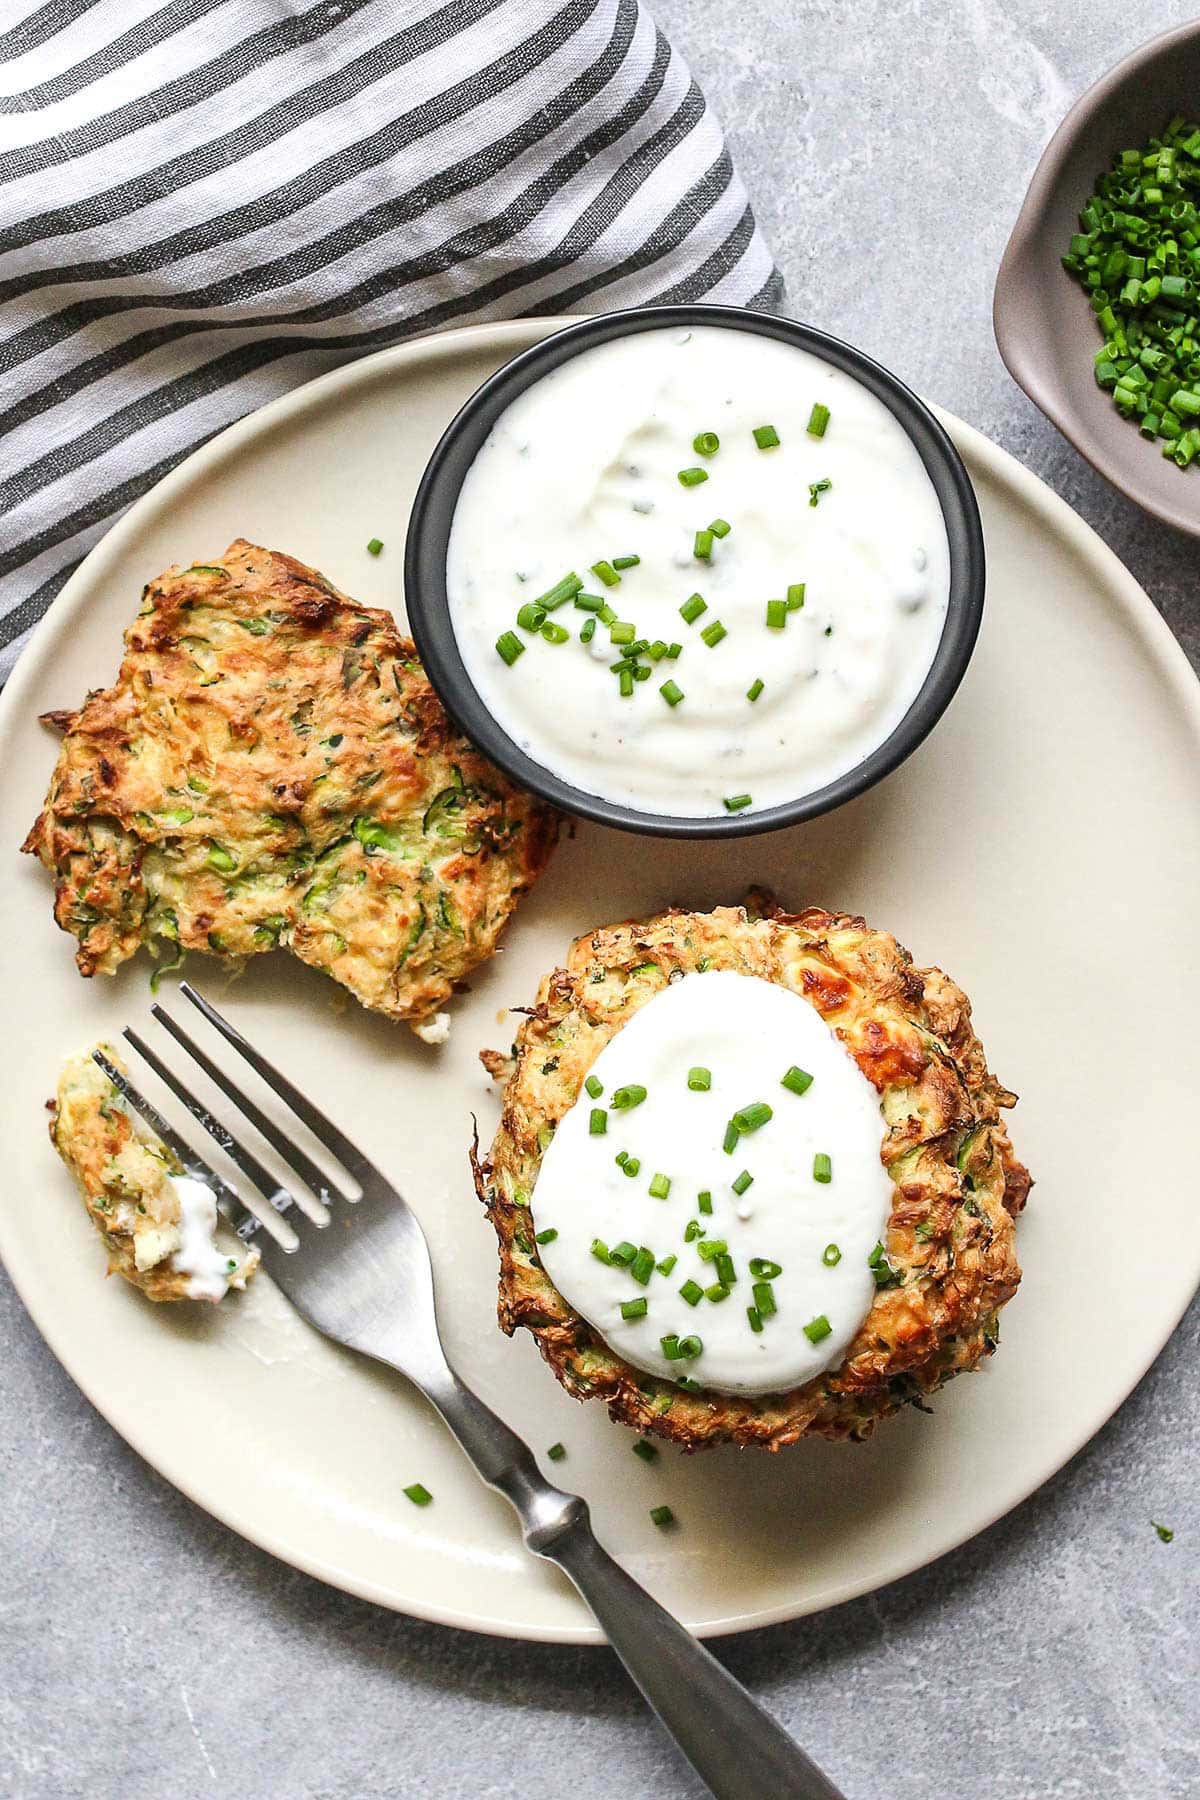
1044, 846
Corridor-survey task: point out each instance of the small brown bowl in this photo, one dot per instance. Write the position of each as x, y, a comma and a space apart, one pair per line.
1045, 328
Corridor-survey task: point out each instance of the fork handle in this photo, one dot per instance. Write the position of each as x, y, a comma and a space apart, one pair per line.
736, 1747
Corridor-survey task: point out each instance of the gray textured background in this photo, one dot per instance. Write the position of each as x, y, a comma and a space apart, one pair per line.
149, 1652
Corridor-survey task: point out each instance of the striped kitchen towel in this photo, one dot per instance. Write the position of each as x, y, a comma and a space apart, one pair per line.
206, 202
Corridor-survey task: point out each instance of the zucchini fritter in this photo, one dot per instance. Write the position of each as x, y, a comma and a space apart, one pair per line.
136, 1194
272, 768
950, 1256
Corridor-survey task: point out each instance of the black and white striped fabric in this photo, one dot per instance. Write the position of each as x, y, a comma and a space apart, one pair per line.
206, 202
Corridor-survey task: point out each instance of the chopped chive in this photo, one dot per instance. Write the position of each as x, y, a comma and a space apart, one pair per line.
706, 443
752, 1118
692, 607
546, 1237
588, 631
777, 612
691, 1346
598, 1122
720, 528
699, 1080
660, 1186
817, 1328
419, 1494
1165, 1532
764, 1298
591, 603
626, 562
600, 1251
702, 545
642, 673
744, 1180
607, 614
554, 633
876, 1257
621, 1158
594, 1087
717, 1292
662, 1516
669, 1346
797, 1081
737, 802
667, 1264
632, 1166
795, 595
635, 1309
531, 616
642, 1266
726, 1273
556, 1452
712, 634
831, 1256
375, 546
763, 1269
704, 1202
732, 1135
817, 488
510, 647
692, 1231
822, 1167
818, 419
604, 571
622, 632
692, 1292
766, 437
645, 1450
754, 690
674, 650
657, 650
753, 1315
625, 682
622, 1254
671, 692
563, 590
690, 478
626, 1097
711, 1248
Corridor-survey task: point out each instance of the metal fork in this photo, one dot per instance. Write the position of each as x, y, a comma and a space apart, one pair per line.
370, 1286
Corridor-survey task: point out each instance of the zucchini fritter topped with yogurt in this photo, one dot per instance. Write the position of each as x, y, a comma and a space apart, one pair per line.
157, 1224
752, 1209
272, 768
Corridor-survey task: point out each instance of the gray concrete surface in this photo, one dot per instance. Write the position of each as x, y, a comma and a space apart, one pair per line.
147, 1652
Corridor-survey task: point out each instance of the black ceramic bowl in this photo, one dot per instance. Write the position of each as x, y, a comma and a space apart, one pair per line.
433, 514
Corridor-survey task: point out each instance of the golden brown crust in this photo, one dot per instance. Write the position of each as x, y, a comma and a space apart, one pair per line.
957, 1185
270, 768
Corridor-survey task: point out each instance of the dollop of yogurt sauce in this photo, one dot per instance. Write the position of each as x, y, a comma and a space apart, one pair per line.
714, 1210
785, 571
199, 1256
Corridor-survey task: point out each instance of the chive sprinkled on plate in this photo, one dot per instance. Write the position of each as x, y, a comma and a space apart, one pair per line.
375, 546
662, 1516
556, 1452
766, 437
546, 1237
645, 1450
419, 1494
597, 1122
797, 1081
626, 1097
594, 1086
737, 802
1164, 1531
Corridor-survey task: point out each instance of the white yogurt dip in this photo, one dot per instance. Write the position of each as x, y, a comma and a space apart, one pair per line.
809, 1240
584, 469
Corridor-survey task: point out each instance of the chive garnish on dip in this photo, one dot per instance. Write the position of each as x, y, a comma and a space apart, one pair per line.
737, 803
375, 546
660, 1187
598, 1122
702, 545
419, 1494
720, 528
817, 1328
645, 1450
626, 1097
594, 1087
714, 633
635, 1309
817, 488
754, 690
777, 614
692, 477
510, 647
706, 443
604, 572
699, 1080
822, 1167
818, 420
797, 1081
766, 437
546, 1237
831, 1256
671, 692
625, 562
